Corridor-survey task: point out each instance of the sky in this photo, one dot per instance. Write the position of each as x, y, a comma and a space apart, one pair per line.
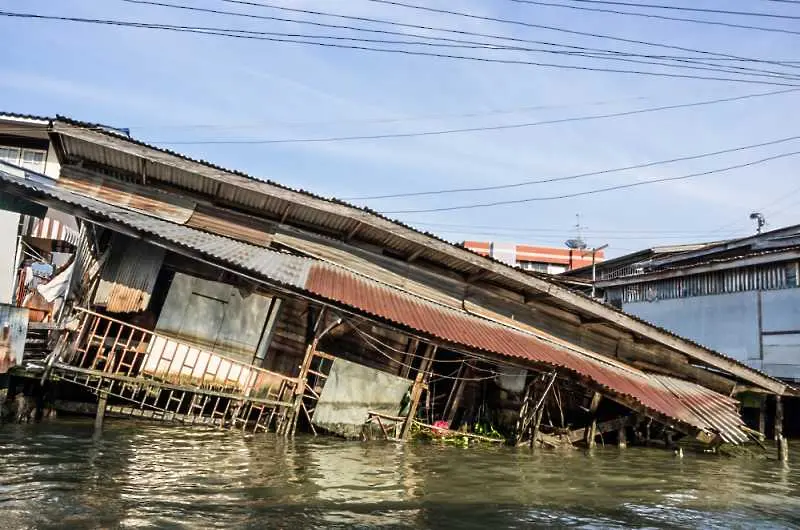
189, 92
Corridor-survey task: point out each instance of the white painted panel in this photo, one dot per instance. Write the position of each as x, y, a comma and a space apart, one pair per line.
9, 223
727, 323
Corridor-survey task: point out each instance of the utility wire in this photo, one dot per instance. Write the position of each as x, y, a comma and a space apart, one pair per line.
692, 9
243, 34
574, 177
598, 190
578, 51
551, 28
658, 17
438, 132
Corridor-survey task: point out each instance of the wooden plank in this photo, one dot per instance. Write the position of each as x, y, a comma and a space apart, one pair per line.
591, 429
416, 390
604, 427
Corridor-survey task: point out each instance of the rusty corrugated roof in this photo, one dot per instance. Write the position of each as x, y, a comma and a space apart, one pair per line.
682, 402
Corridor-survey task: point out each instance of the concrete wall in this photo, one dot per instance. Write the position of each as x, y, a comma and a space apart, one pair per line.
728, 323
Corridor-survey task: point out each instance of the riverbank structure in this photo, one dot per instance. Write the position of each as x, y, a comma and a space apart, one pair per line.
199, 294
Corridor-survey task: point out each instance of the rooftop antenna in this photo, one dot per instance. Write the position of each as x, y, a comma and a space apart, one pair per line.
577, 243
760, 221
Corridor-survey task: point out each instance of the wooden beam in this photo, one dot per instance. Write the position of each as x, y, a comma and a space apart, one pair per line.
350, 235
414, 255
416, 389
101, 412
604, 427
591, 429
778, 431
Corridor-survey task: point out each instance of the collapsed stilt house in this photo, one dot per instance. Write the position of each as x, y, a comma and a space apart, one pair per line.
201, 295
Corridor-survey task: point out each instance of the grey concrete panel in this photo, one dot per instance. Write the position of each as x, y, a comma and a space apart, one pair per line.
351, 391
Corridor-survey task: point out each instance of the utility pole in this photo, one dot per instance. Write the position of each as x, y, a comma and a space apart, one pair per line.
595, 250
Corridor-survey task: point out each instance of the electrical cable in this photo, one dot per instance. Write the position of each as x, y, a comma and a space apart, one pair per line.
658, 17
573, 177
684, 8
595, 191
550, 28
578, 51
244, 34
438, 132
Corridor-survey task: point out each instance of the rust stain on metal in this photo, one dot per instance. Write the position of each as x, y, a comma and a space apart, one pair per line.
679, 401
129, 277
231, 224
157, 203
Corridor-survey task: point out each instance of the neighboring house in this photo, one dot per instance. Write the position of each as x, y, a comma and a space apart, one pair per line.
551, 260
23, 142
739, 296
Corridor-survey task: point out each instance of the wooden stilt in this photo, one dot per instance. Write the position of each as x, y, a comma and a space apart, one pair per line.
536, 424
408, 358
101, 412
762, 416
622, 441
416, 389
452, 406
591, 428
778, 417
783, 449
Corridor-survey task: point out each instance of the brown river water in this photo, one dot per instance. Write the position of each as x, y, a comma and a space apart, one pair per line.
139, 475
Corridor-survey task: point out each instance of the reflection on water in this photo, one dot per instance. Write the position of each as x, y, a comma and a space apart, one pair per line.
55, 475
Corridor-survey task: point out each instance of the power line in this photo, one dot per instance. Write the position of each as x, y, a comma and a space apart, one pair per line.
244, 34
438, 132
551, 28
658, 17
561, 230
692, 9
578, 51
574, 177
596, 236
595, 191
404, 119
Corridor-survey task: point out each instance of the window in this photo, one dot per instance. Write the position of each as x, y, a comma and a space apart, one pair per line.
532, 266
32, 159
9, 154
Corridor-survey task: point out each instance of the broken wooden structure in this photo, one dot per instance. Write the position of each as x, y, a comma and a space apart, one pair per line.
202, 295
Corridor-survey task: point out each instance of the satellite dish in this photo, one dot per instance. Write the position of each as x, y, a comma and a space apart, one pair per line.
577, 244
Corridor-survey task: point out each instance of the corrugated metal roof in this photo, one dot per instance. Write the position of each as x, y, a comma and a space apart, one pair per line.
366, 296
679, 401
239, 187
43, 120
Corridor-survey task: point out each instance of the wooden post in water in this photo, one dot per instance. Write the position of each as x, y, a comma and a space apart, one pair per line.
783, 449
101, 412
622, 441
536, 424
778, 417
416, 389
762, 416
591, 429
